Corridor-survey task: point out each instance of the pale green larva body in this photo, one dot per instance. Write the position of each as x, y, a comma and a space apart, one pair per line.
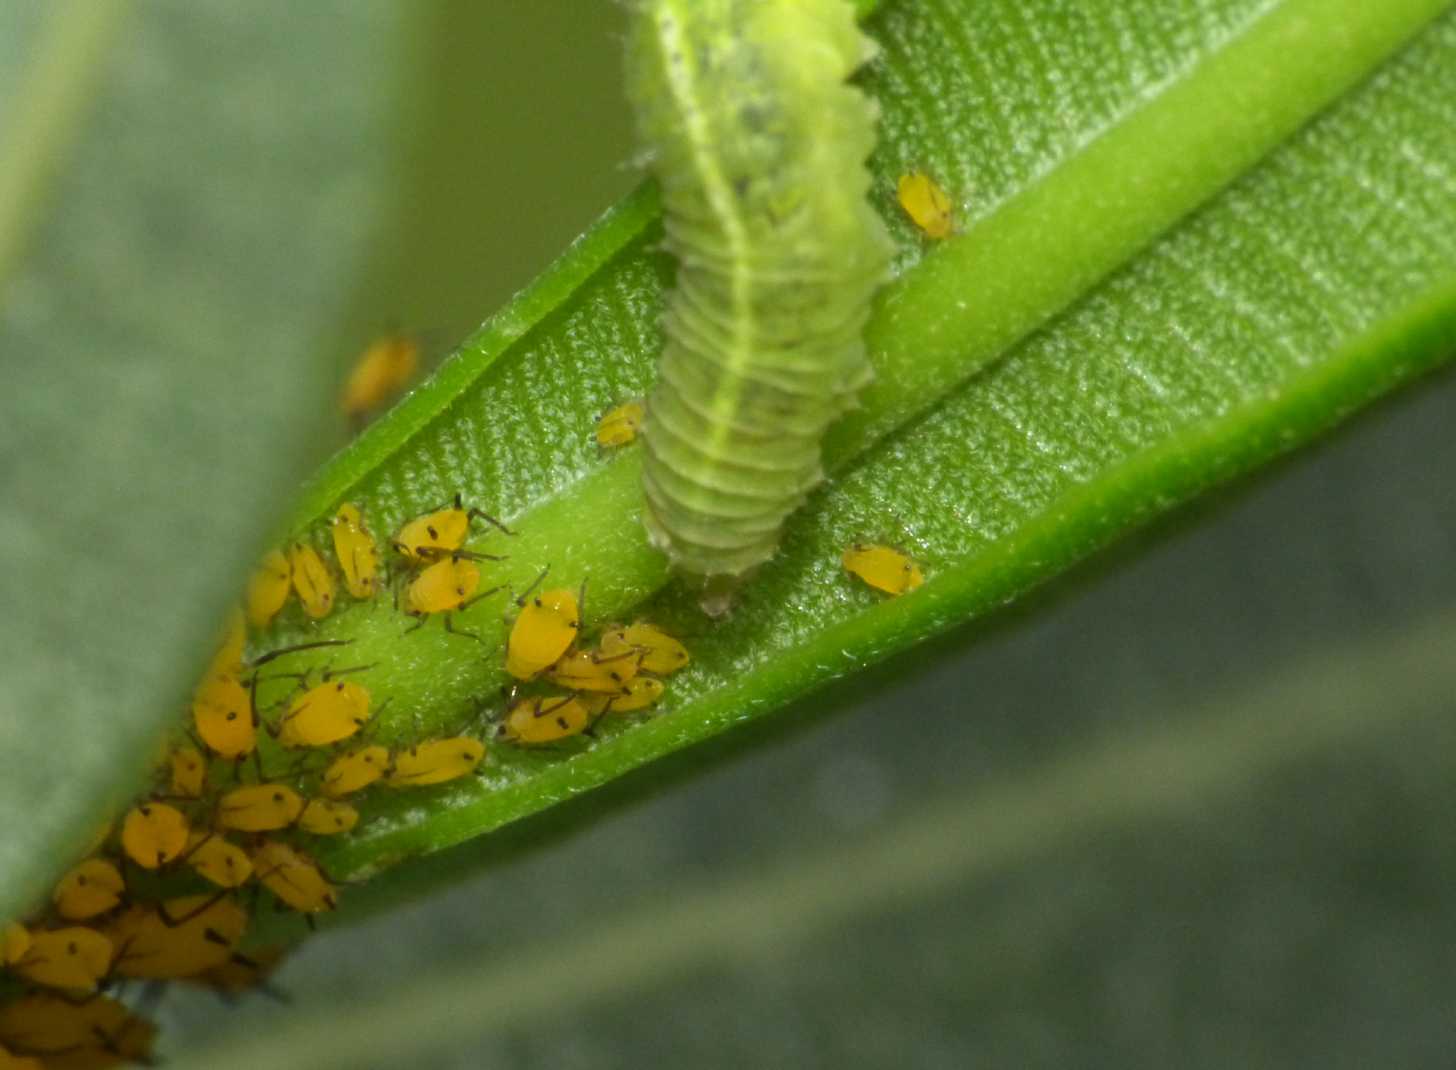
759, 147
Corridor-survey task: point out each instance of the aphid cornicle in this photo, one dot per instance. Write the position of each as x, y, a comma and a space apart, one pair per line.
358, 556
435, 762
311, 580
439, 533
883, 568
779, 254
620, 425
153, 834
382, 371
259, 808
355, 771
268, 589
927, 205
543, 631
89, 890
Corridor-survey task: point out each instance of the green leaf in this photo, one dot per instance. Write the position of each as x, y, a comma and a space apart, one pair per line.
1239, 334
172, 254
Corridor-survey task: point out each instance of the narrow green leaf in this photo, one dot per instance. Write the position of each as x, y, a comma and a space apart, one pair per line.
1239, 335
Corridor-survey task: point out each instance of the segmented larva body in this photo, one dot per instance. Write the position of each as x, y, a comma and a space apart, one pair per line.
758, 145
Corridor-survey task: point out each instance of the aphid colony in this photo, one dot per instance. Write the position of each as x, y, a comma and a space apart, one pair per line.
166, 891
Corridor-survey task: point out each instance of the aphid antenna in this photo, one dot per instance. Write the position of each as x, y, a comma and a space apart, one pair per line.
263, 659
196, 912
331, 673
481, 514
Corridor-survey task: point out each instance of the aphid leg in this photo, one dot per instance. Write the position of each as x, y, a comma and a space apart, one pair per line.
263, 659
520, 599
196, 912
482, 515
450, 627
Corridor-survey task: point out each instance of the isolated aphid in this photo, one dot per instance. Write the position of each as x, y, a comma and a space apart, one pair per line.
294, 878
619, 426
927, 205
545, 719
216, 860
73, 958
332, 711
222, 714
435, 762
311, 579
178, 938
662, 655
382, 371
14, 942
89, 890
326, 817
607, 668
543, 631
355, 549
355, 771
438, 533
883, 568
97, 1031
268, 589
259, 808
153, 833
189, 772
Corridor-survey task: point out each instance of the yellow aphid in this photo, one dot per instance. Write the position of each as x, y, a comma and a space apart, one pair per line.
294, 878
619, 426
10, 1061
180, 938
357, 554
153, 834
90, 889
436, 762
545, 719
214, 859
325, 817
94, 1032
926, 203
355, 771
635, 695
311, 580
76, 958
882, 568
268, 589
14, 942
443, 587
382, 371
259, 808
229, 655
543, 631
325, 714
440, 533
239, 975
189, 772
611, 665
222, 713
662, 655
